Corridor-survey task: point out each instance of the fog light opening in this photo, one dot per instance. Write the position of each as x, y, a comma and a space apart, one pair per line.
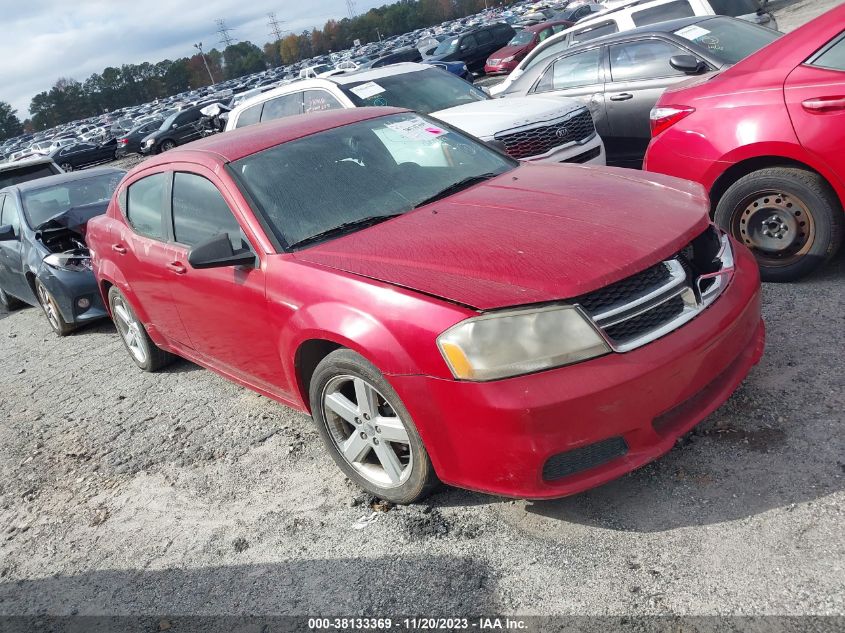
84, 303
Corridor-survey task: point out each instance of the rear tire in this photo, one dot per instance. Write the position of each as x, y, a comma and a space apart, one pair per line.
146, 354
790, 218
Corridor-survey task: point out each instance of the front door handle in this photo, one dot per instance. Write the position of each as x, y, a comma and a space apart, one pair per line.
625, 96
119, 248
177, 267
824, 104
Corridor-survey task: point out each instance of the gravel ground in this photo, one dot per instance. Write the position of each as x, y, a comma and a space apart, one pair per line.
129, 493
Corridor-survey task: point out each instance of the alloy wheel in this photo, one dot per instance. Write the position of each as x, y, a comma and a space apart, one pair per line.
367, 431
130, 330
49, 306
776, 226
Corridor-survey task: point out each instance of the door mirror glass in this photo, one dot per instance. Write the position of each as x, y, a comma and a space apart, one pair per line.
688, 64
217, 252
7, 232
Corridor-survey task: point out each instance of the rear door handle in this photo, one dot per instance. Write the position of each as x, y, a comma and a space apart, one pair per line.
177, 267
119, 248
824, 104
625, 96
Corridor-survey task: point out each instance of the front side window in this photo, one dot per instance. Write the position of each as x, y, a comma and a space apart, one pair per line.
250, 116
9, 214
83, 198
833, 57
663, 12
581, 69
468, 43
200, 212
447, 46
376, 169
484, 37
143, 205
522, 38
648, 59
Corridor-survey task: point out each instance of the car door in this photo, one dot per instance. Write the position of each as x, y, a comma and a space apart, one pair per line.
141, 251
815, 98
639, 74
223, 309
12, 278
579, 76
468, 52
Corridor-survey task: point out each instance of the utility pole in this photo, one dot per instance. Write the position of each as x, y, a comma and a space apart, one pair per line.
223, 31
198, 46
350, 6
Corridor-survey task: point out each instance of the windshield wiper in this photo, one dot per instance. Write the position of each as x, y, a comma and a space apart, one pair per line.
346, 227
456, 187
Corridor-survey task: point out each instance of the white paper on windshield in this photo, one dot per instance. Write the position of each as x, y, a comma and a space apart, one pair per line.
416, 129
367, 90
692, 32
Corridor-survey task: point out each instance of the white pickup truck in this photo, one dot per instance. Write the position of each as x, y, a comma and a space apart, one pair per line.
556, 130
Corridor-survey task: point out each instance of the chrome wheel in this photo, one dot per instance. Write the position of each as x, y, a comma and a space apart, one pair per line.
367, 431
167, 146
779, 228
130, 330
49, 306
66, 167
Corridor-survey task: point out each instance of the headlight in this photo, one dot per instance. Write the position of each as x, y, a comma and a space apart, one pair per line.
73, 261
517, 342
149, 142
508, 59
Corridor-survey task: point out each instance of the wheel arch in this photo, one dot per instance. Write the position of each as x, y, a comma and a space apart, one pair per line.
308, 355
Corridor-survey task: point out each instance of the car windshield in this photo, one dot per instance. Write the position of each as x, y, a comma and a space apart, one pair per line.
349, 177
447, 46
423, 91
729, 40
40, 205
521, 38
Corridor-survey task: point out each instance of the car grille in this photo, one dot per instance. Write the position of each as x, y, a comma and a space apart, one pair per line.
573, 128
580, 459
645, 306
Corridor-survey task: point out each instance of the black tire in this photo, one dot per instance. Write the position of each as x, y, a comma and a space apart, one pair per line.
421, 480
812, 217
67, 167
8, 302
51, 310
166, 145
154, 358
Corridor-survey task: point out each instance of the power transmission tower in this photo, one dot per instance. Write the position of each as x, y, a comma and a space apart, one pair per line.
275, 27
223, 31
350, 6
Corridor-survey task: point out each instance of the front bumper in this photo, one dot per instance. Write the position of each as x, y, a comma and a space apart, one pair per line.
68, 288
497, 437
502, 68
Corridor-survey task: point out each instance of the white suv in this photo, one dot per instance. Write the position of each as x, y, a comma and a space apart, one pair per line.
625, 15
558, 130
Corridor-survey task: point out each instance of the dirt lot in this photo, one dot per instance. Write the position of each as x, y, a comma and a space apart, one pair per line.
180, 493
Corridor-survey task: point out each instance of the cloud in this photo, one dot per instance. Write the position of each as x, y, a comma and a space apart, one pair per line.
47, 39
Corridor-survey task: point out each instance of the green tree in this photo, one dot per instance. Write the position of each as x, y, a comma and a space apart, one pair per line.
10, 124
243, 58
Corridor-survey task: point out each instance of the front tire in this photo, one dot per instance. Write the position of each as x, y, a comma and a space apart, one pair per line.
790, 218
66, 167
51, 310
166, 146
368, 431
146, 354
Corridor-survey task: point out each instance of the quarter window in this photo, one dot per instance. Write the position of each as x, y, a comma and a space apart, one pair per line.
200, 212
668, 11
647, 59
143, 205
833, 57
581, 69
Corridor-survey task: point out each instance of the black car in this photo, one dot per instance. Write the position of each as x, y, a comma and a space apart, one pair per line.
44, 260
177, 129
473, 47
130, 143
72, 157
398, 56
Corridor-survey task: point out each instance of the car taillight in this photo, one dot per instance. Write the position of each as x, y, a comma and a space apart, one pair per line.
124, 141
664, 117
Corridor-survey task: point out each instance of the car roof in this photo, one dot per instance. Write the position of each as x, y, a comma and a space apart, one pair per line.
59, 179
236, 144
27, 162
669, 26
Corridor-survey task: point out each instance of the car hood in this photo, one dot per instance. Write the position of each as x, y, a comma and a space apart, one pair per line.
487, 118
536, 234
507, 51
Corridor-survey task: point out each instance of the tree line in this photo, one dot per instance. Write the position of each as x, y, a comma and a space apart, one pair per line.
132, 84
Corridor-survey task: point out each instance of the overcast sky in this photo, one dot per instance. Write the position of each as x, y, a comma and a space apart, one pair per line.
47, 39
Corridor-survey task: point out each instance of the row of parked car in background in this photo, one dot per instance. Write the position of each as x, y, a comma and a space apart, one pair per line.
403, 257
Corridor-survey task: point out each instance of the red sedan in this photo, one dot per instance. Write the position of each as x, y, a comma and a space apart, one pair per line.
441, 310
506, 58
766, 139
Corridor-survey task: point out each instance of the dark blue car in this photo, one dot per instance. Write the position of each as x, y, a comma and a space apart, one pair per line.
44, 260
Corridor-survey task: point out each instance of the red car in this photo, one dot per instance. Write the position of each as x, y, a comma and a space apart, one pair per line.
766, 139
441, 310
506, 58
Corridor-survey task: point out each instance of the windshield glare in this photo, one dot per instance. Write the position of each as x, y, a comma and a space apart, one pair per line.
424, 91
521, 38
381, 167
447, 46
40, 205
729, 40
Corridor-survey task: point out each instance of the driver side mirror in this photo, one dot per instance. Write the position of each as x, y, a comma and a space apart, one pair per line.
688, 64
7, 232
217, 252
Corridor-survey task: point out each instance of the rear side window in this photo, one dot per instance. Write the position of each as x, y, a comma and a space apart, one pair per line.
318, 101
143, 205
502, 32
592, 32
280, 107
833, 57
200, 212
581, 69
735, 8
668, 11
250, 116
648, 59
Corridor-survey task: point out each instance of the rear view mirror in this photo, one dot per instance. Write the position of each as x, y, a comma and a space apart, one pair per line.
7, 232
688, 64
217, 252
